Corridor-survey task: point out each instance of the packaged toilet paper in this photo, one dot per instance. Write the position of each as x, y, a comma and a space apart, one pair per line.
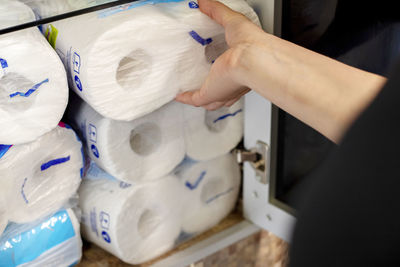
129, 60
3, 213
49, 8
39, 178
14, 13
121, 62
144, 149
207, 40
33, 83
54, 241
136, 223
211, 188
209, 134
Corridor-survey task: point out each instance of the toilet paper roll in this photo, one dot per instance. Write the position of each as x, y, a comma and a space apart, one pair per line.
41, 176
14, 13
33, 84
134, 222
206, 36
122, 60
209, 134
140, 150
212, 187
49, 8
52, 242
3, 212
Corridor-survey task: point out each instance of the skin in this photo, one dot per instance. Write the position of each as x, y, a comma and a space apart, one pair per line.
321, 92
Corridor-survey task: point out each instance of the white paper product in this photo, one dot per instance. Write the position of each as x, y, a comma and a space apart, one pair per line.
212, 187
40, 177
3, 213
140, 150
48, 8
122, 61
134, 222
33, 83
14, 13
209, 134
207, 38
54, 241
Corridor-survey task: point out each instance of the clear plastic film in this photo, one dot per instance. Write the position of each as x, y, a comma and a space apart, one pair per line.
157, 172
141, 150
38, 178
132, 204
33, 84
151, 146
50, 8
139, 205
209, 134
138, 222
51, 241
130, 60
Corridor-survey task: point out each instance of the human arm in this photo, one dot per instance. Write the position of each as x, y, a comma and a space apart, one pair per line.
322, 92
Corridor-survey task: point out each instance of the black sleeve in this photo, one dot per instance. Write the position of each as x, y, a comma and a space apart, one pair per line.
350, 215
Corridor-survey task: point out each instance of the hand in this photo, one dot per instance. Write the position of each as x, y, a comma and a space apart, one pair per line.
225, 83
323, 93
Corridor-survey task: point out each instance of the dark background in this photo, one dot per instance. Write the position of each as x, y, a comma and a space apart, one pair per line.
361, 34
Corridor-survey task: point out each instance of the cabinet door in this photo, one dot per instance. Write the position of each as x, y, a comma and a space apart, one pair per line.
261, 131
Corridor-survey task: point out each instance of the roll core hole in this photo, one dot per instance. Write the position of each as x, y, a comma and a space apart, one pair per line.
148, 222
215, 120
216, 48
145, 139
212, 189
133, 69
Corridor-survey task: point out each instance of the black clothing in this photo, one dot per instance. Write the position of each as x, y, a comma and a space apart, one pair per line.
349, 215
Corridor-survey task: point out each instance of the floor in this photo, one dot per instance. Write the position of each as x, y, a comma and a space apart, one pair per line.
259, 250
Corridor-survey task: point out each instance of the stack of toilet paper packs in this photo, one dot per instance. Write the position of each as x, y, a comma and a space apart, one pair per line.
156, 170
40, 158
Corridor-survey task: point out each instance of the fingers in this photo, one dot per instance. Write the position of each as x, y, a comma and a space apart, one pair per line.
220, 86
217, 11
193, 98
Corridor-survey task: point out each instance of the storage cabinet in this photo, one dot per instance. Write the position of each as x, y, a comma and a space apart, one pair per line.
260, 210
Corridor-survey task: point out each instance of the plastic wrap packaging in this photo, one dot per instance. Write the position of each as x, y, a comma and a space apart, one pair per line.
129, 60
54, 241
49, 8
3, 213
136, 151
39, 178
134, 222
212, 188
138, 222
209, 134
33, 83
151, 146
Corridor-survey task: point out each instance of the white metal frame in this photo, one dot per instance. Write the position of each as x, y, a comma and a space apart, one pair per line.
209, 246
258, 121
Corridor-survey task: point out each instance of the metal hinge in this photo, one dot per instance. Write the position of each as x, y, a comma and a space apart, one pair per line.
258, 157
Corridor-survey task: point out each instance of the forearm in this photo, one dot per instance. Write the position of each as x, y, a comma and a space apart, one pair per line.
322, 92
